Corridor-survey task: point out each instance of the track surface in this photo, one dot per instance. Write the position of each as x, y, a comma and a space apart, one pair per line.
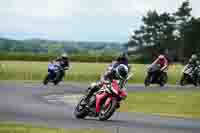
24, 103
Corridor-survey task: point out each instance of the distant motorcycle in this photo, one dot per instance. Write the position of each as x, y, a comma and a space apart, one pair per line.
57, 78
154, 76
101, 104
190, 76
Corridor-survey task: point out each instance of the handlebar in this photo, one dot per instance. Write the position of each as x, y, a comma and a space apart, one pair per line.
129, 76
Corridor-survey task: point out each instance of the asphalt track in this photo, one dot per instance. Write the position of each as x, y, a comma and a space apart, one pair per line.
25, 103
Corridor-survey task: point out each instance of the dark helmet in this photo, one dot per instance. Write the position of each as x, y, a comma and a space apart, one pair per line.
122, 56
122, 71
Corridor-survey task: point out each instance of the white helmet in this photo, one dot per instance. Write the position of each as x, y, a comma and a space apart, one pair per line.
64, 55
161, 56
194, 57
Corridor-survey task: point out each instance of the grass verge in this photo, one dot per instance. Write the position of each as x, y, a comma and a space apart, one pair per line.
166, 103
21, 128
80, 72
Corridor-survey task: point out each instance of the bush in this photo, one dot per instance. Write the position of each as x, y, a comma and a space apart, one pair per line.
26, 56
78, 57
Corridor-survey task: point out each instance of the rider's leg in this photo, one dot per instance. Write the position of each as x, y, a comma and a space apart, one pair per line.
59, 74
52, 73
94, 87
123, 96
194, 79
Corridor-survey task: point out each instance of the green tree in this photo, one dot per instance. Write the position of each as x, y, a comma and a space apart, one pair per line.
176, 32
156, 32
182, 18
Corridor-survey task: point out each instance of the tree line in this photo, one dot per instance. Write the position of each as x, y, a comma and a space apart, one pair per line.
174, 34
55, 47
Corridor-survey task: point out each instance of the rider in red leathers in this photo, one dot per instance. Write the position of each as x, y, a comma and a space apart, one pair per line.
163, 62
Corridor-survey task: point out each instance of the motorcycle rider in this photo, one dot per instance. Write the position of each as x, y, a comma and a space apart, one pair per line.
61, 63
163, 62
119, 72
193, 63
113, 72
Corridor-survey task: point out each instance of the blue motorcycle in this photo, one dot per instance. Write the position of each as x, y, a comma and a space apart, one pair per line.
55, 75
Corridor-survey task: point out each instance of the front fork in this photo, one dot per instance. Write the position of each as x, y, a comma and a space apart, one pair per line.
101, 96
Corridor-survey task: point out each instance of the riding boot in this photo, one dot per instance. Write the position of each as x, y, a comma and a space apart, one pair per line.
91, 91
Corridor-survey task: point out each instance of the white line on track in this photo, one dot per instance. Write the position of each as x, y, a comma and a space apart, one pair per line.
70, 99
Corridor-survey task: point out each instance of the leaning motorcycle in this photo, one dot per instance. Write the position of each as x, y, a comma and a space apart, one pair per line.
154, 76
190, 76
103, 103
57, 78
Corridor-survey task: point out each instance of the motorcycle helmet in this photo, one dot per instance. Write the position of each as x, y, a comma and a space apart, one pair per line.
161, 57
194, 57
122, 56
122, 71
64, 56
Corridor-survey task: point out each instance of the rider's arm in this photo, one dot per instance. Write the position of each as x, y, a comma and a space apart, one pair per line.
124, 87
106, 77
67, 66
155, 62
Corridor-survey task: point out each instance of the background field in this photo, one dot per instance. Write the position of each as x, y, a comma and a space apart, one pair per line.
166, 103
81, 72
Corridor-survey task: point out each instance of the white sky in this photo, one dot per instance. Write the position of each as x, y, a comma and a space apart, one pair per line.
50, 17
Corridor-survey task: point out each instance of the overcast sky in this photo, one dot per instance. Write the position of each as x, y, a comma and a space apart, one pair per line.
80, 20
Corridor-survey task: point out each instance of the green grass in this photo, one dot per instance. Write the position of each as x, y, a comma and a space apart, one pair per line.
167, 103
81, 72
21, 128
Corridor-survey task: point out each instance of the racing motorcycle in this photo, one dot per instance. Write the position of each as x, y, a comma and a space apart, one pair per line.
57, 78
154, 76
190, 76
103, 103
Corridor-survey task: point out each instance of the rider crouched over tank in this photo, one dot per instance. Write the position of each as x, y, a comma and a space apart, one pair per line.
157, 71
56, 69
191, 72
118, 70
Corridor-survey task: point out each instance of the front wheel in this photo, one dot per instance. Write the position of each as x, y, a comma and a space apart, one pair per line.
147, 81
46, 80
105, 114
164, 79
80, 110
183, 80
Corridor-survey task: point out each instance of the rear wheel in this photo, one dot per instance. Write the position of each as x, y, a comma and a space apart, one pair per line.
106, 113
56, 82
81, 110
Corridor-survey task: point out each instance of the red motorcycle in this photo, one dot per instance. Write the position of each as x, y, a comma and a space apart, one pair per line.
102, 103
